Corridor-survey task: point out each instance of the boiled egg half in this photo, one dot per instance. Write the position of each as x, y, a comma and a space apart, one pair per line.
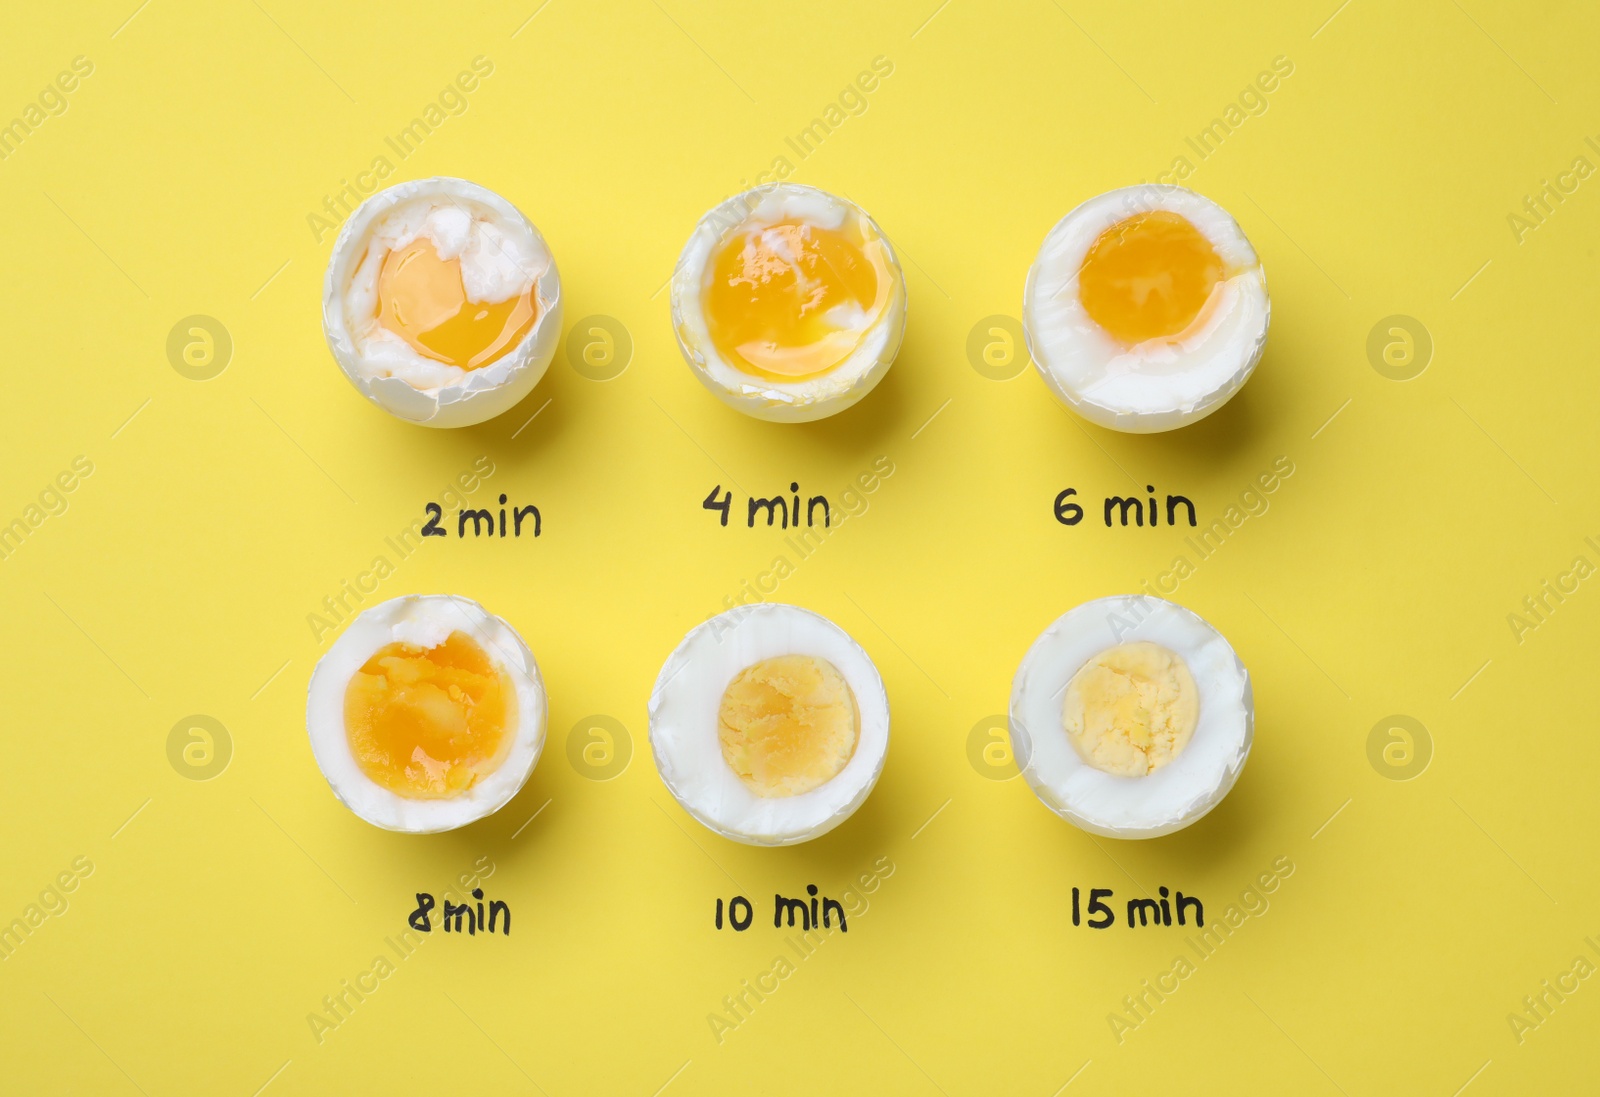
788, 303
441, 303
1132, 717
769, 724
427, 713
1146, 308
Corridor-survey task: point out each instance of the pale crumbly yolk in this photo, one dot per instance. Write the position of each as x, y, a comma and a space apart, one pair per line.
1148, 276
1131, 709
786, 301
427, 723
421, 299
788, 725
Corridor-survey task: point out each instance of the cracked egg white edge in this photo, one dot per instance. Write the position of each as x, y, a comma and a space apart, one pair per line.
482, 393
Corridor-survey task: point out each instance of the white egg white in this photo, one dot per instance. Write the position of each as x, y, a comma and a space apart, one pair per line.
425, 620
1160, 384
501, 255
683, 724
784, 401
1180, 792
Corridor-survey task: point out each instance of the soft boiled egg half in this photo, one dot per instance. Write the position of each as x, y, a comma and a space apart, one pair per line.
427, 713
441, 303
1132, 717
769, 724
1146, 308
788, 303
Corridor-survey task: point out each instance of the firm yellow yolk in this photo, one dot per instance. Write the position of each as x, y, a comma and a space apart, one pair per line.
1148, 277
1131, 709
788, 725
421, 299
789, 301
428, 723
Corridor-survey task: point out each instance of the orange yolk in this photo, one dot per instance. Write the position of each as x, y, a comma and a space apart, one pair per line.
421, 299
772, 288
1148, 277
428, 723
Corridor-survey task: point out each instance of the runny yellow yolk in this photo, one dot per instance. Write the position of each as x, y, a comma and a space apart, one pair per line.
421, 299
428, 723
788, 725
1148, 277
768, 304
1131, 709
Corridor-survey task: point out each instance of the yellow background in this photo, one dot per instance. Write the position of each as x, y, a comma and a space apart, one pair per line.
219, 514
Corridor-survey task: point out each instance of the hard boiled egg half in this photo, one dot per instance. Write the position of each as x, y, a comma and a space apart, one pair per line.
1132, 717
441, 302
1146, 308
769, 724
788, 303
427, 713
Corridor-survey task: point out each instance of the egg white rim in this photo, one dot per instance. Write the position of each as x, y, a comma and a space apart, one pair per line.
414, 619
482, 393
683, 724
1111, 384
1178, 793
782, 401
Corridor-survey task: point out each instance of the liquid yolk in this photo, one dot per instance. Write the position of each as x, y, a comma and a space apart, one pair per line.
1148, 277
421, 299
770, 306
788, 725
428, 723
1131, 709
